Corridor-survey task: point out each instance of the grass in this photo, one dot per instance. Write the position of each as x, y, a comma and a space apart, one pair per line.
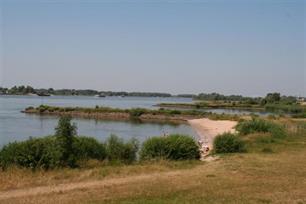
271, 172
14, 177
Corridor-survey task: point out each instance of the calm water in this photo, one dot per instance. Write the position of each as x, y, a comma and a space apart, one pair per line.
15, 125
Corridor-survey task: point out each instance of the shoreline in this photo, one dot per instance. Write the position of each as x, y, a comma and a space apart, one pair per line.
140, 114
117, 116
208, 129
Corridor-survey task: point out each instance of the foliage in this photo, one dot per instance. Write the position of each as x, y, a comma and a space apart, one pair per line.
260, 125
292, 108
228, 143
86, 148
220, 97
137, 112
273, 97
33, 153
118, 150
173, 147
65, 133
23, 90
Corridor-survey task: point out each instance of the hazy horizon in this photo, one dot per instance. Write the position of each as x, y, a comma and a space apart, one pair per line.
246, 48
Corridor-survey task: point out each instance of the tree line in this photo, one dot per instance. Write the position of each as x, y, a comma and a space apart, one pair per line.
270, 98
25, 90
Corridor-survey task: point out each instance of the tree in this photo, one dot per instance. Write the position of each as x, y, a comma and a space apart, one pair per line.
273, 97
29, 89
65, 133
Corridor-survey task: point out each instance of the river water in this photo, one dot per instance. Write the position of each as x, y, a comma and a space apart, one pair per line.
16, 126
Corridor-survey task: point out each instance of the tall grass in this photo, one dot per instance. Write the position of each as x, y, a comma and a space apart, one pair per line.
120, 151
260, 125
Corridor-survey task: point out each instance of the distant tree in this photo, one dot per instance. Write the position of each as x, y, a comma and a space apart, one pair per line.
51, 91
29, 89
273, 97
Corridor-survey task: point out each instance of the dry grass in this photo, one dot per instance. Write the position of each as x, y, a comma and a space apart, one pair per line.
16, 178
254, 177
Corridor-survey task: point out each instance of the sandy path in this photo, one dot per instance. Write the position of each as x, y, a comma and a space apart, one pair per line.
208, 129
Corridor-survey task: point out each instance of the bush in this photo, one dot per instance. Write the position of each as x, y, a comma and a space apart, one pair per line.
154, 148
43, 108
47, 152
228, 143
137, 112
118, 150
173, 147
65, 133
33, 153
89, 148
260, 125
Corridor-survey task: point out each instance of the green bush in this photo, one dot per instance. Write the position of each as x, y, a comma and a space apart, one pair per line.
33, 153
173, 147
182, 147
228, 143
89, 148
65, 133
137, 112
118, 150
154, 148
43, 108
47, 152
260, 125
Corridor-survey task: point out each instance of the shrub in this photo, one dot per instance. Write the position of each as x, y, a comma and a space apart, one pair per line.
29, 108
33, 153
260, 125
228, 143
137, 112
47, 152
173, 147
182, 147
118, 150
88, 148
154, 148
65, 133
43, 108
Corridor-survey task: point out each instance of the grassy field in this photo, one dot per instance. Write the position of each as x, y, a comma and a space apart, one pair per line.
259, 176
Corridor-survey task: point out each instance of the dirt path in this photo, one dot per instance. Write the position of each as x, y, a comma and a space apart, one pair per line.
208, 129
62, 188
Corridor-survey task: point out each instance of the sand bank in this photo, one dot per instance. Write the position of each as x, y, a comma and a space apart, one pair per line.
208, 129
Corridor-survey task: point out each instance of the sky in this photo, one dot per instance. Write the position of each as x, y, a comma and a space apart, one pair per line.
232, 47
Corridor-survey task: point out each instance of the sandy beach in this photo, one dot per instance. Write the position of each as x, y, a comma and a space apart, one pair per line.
208, 129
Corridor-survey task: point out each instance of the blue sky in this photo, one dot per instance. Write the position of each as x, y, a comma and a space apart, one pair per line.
232, 47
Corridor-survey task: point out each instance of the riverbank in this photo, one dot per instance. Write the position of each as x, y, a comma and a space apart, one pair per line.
208, 129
